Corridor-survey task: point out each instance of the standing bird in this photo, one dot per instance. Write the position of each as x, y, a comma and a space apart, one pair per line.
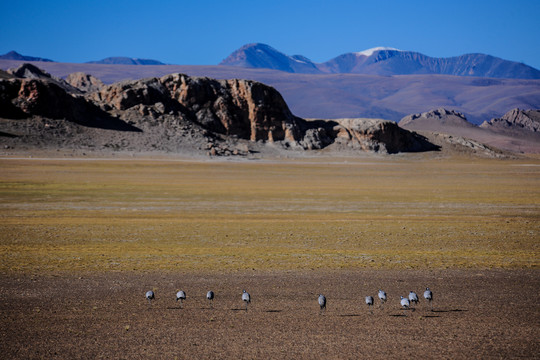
150, 296
246, 298
181, 295
210, 296
405, 303
413, 298
382, 296
428, 295
369, 302
322, 303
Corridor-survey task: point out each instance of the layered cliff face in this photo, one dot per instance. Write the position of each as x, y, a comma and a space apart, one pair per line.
203, 109
242, 108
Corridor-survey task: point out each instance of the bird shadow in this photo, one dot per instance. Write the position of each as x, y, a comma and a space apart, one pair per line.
448, 311
399, 315
350, 315
431, 316
238, 309
274, 311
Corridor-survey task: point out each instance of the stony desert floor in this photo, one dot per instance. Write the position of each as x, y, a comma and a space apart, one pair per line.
82, 240
477, 314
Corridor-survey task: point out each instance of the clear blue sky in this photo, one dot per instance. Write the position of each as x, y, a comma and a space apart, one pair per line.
204, 32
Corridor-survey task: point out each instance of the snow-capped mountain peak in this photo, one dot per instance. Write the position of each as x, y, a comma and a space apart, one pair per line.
370, 52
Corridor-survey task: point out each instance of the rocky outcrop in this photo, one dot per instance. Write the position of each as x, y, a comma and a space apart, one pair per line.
29, 71
84, 82
222, 116
380, 136
22, 98
516, 119
242, 108
435, 118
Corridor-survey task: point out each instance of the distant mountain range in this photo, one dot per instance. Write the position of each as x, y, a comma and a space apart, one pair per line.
115, 60
384, 61
13, 55
121, 60
381, 61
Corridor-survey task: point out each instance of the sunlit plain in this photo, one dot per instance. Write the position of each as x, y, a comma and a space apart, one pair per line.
378, 212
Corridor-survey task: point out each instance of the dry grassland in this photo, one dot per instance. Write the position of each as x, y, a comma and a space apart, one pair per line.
391, 212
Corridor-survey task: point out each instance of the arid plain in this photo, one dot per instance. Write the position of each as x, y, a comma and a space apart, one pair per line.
82, 240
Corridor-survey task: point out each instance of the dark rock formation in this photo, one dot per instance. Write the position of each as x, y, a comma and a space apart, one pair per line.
221, 116
245, 109
21, 98
29, 71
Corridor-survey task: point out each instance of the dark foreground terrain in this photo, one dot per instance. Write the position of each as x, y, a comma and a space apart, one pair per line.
477, 314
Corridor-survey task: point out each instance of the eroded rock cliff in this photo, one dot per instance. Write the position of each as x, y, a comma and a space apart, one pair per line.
214, 112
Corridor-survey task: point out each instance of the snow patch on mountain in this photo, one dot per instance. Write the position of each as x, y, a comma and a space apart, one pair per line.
370, 52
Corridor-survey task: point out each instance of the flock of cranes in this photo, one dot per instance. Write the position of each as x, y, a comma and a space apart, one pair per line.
246, 298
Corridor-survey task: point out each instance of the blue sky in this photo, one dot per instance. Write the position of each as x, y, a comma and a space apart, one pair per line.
204, 32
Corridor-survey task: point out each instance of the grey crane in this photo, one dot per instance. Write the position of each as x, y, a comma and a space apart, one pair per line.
246, 298
180, 295
322, 303
210, 297
405, 303
150, 296
413, 298
428, 295
369, 302
382, 297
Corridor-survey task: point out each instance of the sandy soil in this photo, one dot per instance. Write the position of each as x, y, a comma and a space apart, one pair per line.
477, 314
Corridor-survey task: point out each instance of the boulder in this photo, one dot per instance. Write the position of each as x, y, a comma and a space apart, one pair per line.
84, 82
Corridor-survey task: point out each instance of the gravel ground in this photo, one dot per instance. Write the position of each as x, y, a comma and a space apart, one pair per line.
477, 314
